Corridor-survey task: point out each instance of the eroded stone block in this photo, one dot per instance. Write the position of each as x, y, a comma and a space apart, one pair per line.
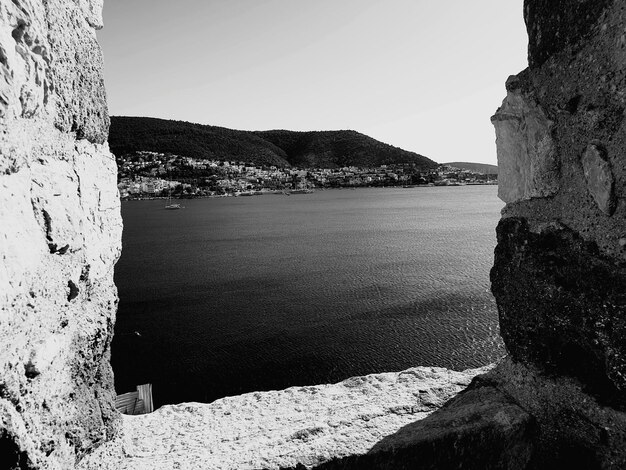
599, 177
312, 426
528, 163
482, 428
60, 235
554, 25
561, 306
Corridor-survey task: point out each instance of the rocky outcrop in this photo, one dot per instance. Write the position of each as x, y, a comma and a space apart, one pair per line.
572, 321
60, 235
300, 426
558, 268
572, 429
560, 264
479, 429
528, 162
557, 25
600, 181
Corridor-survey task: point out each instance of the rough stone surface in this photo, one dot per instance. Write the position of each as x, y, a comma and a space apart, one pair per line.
559, 280
573, 430
560, 264
528, 163
81, 107
574, 317
60, 235
482, 428
554, 25
304, 426
41, 44
600, 181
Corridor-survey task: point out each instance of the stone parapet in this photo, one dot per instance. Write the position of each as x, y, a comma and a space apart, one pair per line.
60, 235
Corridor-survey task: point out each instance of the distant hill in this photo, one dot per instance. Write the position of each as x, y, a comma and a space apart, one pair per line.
321, 149
329, 149
480, 167
129, 134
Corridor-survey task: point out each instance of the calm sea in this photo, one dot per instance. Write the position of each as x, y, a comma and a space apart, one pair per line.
233, 295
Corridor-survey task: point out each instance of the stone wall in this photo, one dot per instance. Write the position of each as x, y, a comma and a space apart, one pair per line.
559, 276
60, 235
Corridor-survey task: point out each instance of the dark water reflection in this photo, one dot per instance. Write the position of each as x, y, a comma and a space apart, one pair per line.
239, 294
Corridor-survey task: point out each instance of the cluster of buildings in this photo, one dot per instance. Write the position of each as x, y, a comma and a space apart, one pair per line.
152, 174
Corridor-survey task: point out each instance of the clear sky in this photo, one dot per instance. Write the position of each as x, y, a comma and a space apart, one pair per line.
424, 75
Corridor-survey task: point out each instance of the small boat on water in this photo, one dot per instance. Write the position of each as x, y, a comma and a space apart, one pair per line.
171, 205
251, 193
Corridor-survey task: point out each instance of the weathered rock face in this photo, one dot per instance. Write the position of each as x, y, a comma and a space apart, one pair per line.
322, 426
572, 429
583, 332
600, 181
559, 276
555, 25
479, 429
529, 164
60, 235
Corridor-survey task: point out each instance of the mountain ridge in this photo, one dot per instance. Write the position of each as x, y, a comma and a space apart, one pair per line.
322, 149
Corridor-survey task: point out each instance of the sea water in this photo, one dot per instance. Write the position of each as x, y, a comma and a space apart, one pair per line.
237, 294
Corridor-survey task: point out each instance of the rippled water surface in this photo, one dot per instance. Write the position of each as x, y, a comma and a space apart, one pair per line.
233, 295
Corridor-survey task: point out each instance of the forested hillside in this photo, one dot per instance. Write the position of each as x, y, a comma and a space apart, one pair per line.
319, 149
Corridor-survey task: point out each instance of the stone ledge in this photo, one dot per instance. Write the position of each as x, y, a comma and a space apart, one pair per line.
482, 428
299, 426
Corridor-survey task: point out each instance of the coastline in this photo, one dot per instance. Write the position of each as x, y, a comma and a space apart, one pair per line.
312, 190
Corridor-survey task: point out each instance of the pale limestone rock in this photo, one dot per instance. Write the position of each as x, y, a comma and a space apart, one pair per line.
81, 107
93, 12
528, 163
60, 235
270, 430
25, 58
600, 181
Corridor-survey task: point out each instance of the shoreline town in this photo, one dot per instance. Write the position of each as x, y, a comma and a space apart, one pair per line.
152, 175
